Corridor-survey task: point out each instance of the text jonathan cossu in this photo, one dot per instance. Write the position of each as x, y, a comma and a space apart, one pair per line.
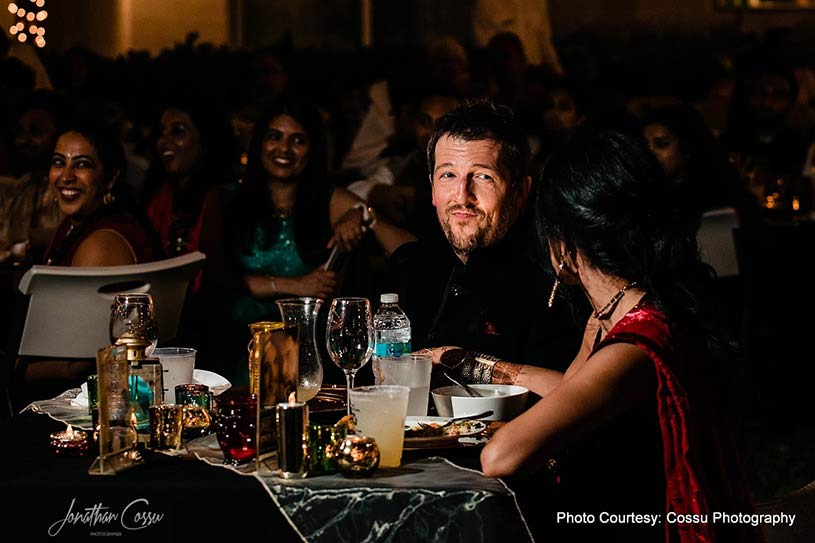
754, 519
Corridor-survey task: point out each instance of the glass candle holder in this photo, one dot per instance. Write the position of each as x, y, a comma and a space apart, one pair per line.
323, 440
70, 442
197, 402
236, 426
166, 423
292, 440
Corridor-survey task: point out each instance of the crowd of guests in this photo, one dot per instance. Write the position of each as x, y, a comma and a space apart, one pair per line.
537, 232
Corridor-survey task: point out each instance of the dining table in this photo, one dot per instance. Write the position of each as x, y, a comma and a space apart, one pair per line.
436, 494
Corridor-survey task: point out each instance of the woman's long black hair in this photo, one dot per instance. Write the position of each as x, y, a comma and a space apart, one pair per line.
605, 195
254, 206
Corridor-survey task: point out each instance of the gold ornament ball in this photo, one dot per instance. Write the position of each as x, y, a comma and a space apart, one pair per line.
357, 456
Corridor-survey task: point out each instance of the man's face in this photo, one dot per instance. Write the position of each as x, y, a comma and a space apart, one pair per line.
34, 139
431, 110
474, 199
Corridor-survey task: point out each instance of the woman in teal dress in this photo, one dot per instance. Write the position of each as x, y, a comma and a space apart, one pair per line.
270, 236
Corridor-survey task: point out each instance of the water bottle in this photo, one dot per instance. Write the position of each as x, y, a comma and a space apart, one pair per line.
391, 328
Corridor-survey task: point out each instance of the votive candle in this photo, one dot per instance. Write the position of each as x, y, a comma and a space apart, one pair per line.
292, 438
70, 442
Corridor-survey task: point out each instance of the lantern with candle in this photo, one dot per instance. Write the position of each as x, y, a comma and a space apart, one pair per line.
292, 438
70, 442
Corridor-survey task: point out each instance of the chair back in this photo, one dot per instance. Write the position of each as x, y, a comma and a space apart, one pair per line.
716, 243
69, 307
801, 503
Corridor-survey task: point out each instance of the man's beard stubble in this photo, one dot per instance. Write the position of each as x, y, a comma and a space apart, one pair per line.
485, 234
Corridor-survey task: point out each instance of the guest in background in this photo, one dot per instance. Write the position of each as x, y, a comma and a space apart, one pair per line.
192, 153
98, 230
697, 167
29, 212
272, 235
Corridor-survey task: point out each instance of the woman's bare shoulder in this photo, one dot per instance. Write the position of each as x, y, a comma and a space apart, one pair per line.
104, 247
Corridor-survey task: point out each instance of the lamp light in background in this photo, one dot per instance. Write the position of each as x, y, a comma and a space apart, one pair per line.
35, 12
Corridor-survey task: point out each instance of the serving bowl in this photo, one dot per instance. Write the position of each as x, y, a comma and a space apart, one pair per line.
506, 401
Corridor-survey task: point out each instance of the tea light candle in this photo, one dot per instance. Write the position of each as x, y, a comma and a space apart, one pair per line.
70, 442
292, 439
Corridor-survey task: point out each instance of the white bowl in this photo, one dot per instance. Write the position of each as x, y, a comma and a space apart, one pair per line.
506, 401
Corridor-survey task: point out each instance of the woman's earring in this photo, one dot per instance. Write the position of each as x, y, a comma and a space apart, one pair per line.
557, 280
108, 198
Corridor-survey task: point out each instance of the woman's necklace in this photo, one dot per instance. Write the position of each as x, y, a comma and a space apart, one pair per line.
605, 311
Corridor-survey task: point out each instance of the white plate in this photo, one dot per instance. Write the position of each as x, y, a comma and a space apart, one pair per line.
439, 441
216, 383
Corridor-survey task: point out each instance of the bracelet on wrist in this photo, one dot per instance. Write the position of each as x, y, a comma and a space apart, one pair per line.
368, 215
470, 366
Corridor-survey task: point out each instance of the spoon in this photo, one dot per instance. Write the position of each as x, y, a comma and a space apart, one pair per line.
460, 419
467, 389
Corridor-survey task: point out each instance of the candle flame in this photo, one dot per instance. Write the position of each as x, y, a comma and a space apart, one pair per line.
70, 431
292, 398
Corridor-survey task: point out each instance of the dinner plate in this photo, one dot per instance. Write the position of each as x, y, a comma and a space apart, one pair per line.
433, 442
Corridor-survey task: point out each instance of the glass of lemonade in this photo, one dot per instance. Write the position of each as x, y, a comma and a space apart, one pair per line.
380, 412
410, 370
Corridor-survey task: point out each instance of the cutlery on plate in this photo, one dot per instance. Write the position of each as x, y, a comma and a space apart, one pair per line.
459, 419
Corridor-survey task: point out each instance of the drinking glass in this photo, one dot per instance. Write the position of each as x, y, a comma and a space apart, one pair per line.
133, 314
236, 426
349, 336
411, 370
302, 312
379, 412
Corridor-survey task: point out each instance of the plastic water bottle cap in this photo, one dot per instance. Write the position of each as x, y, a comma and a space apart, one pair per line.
389, 298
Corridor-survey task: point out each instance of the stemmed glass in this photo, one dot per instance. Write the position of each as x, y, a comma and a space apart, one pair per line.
132, 313
349, 336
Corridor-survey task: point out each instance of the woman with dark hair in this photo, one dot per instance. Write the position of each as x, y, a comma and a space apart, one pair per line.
271, 235
192, 150
633, 423
700, 174
98, 230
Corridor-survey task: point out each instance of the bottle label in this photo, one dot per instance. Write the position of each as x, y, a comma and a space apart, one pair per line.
391, 349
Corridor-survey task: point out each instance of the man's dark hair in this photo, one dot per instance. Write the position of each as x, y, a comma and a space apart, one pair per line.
484, 120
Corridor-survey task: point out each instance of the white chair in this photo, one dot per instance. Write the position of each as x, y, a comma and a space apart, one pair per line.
801, 503
69, 308
716, 243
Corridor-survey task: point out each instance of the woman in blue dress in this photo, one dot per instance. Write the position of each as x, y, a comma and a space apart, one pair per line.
271, 236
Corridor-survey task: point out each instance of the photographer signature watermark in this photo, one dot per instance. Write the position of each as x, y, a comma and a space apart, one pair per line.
136, 515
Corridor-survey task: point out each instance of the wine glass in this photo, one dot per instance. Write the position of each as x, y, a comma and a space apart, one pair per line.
133, 314
349, 336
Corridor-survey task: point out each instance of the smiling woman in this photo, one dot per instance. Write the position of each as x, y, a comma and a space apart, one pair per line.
97, 229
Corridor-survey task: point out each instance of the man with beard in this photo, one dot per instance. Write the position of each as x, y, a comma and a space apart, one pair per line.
483, 288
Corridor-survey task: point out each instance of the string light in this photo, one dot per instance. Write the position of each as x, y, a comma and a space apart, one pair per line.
32, 16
